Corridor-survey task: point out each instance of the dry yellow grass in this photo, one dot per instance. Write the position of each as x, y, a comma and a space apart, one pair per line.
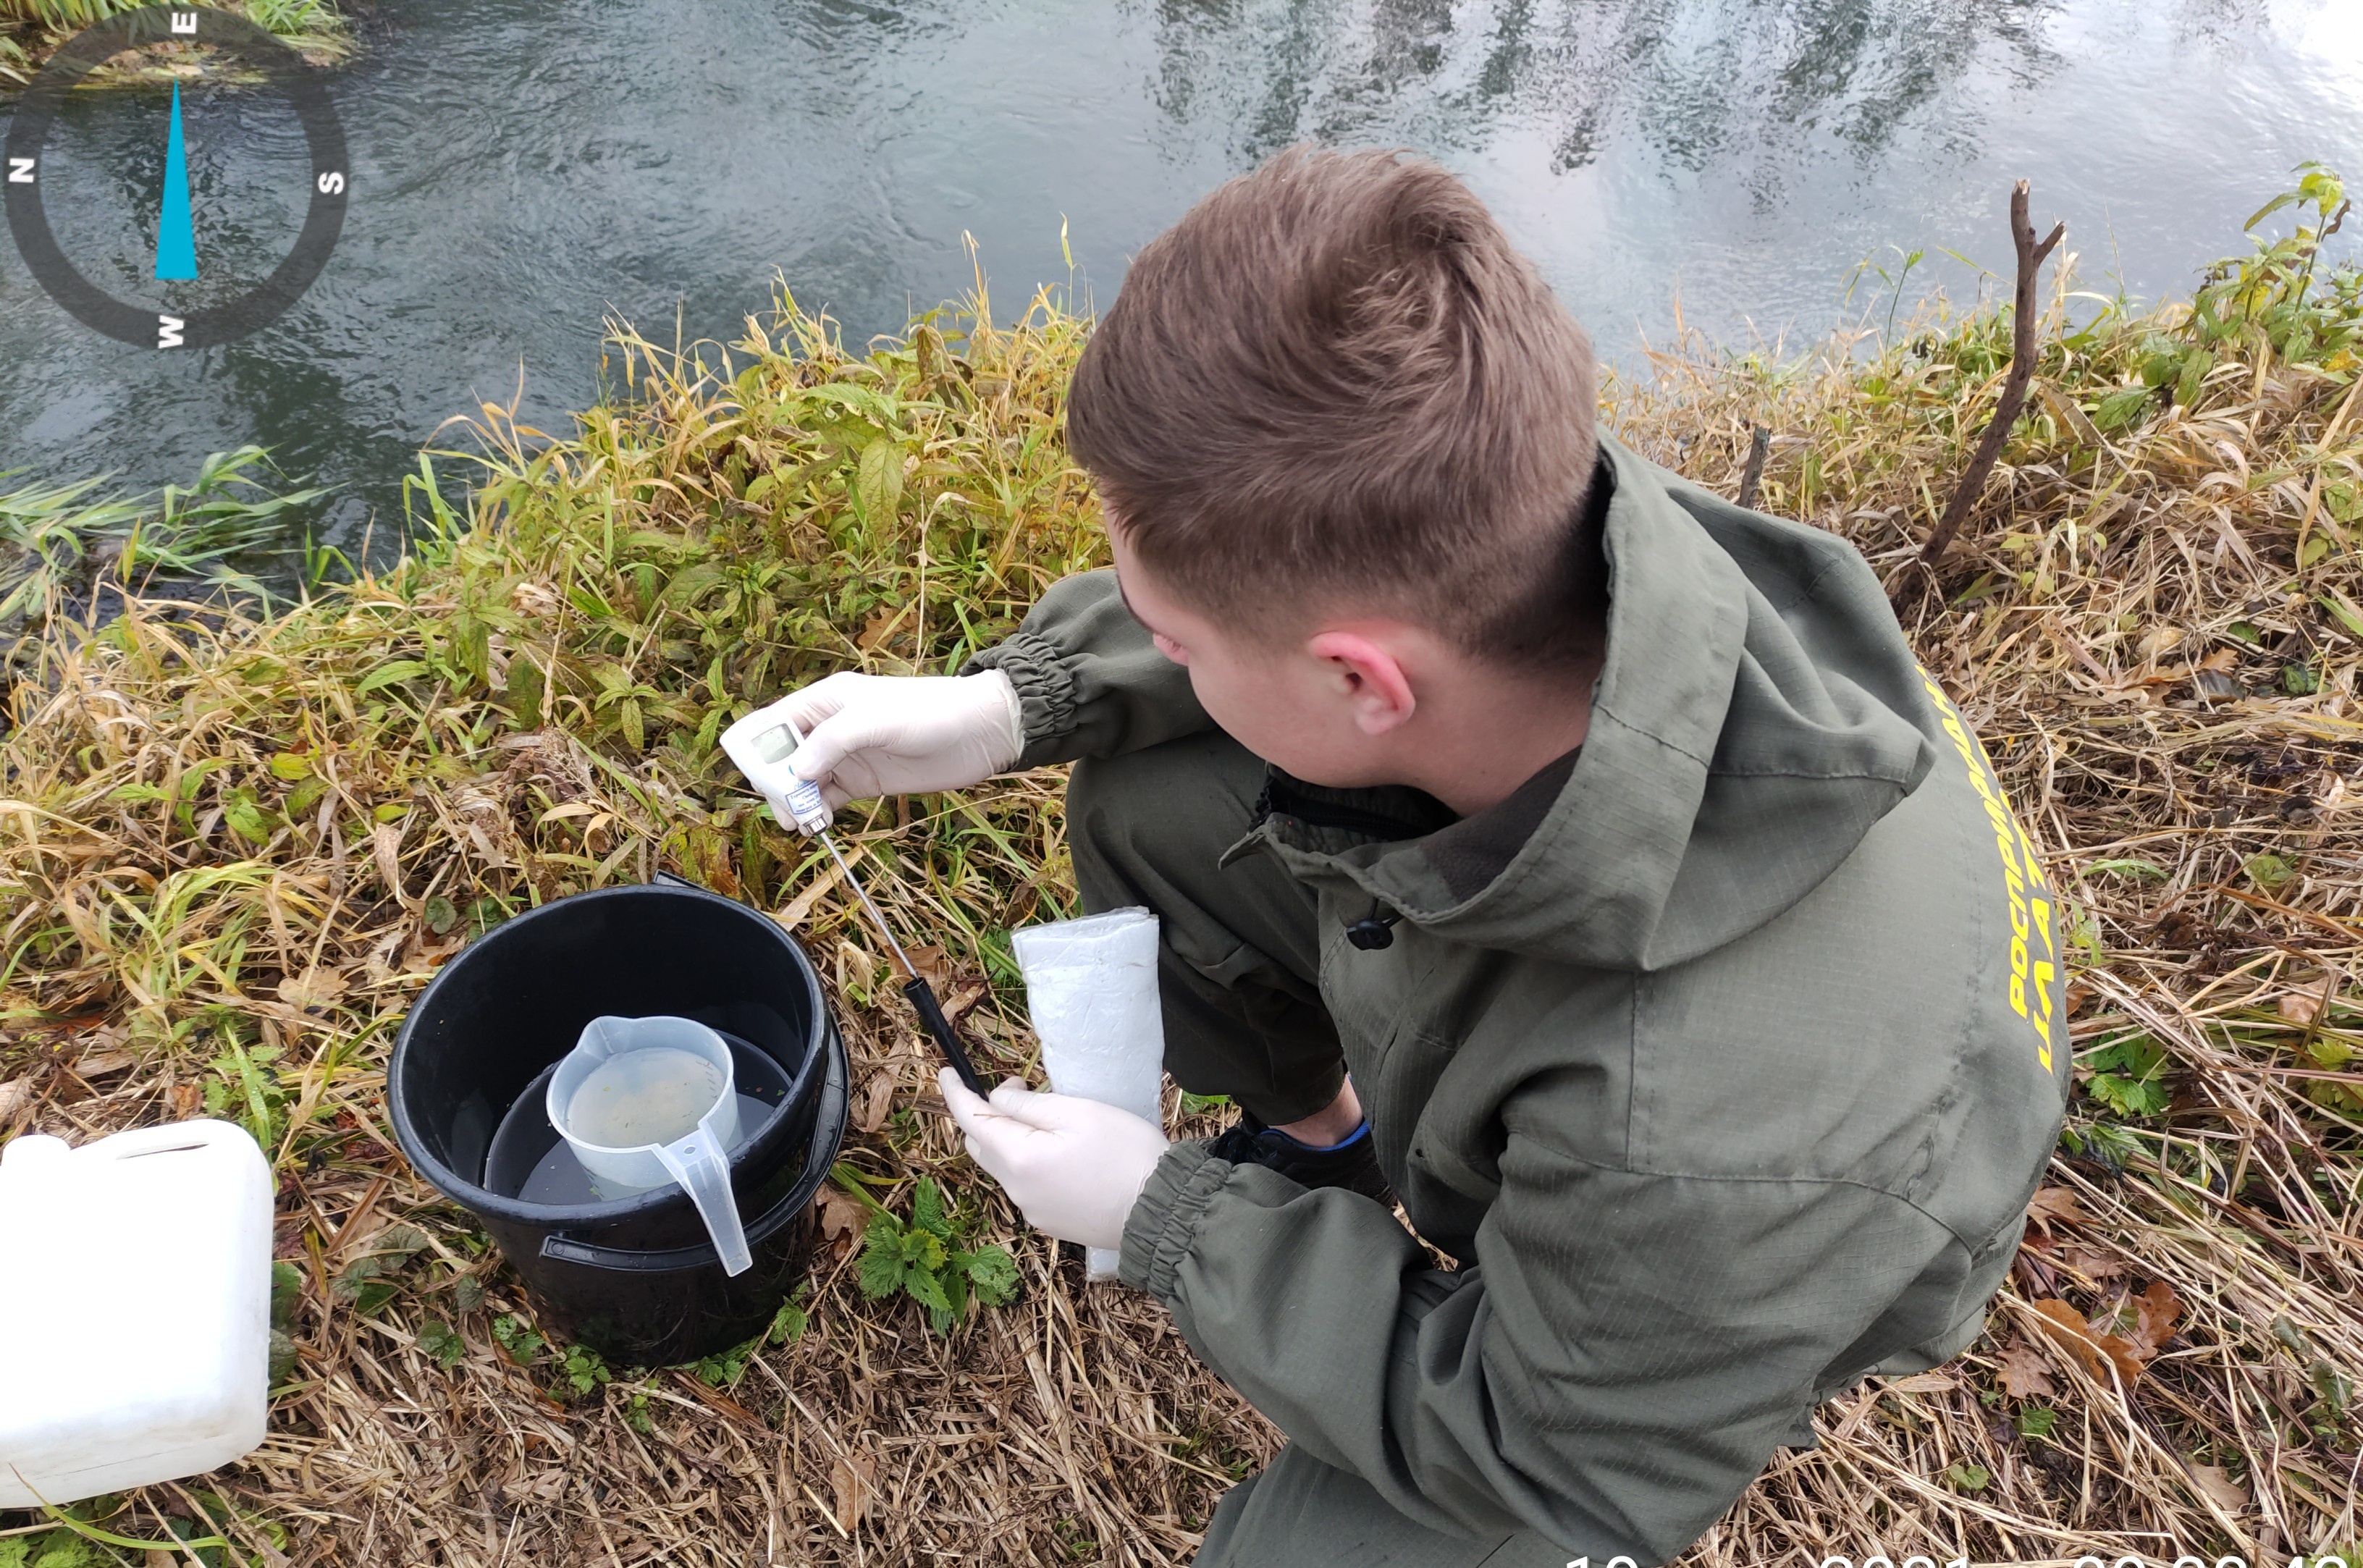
223, 838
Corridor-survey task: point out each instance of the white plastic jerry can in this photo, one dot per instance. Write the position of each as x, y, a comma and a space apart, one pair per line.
135, 1309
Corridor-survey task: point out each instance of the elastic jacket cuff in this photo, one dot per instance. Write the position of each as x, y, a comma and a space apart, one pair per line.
1164, 1220
1045, 687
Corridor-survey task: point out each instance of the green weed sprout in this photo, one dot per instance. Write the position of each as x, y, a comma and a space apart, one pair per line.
922, 1258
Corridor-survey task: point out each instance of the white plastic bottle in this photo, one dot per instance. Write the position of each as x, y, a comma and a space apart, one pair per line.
135, 1309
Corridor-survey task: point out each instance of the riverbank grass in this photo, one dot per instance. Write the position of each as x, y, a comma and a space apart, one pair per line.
232, 850
31, 30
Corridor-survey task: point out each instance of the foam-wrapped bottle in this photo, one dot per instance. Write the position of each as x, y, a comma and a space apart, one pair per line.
1091, 987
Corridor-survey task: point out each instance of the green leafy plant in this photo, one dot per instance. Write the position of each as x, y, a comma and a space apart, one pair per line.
2273, 294
516, 1338
286, 1290
922, 1258
1074, 1539
368, 1282
51, 1548
245, 1088
584, 1370
80, 1539
2128, 1076
2104, 1142
442, 1344
789, 1323
2270, 873
213, 1511
723, 1369
62, 538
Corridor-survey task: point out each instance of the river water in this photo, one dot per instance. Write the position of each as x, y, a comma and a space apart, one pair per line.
523, 168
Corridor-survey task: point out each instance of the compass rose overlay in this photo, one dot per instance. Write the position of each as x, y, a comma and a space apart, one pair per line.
144, 324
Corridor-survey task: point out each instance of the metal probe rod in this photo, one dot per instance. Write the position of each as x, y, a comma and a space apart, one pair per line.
921, 995
876, 916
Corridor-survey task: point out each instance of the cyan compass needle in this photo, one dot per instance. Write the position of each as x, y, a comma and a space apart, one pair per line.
176, 235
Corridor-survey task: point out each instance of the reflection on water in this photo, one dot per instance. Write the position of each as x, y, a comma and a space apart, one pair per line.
520, 172
1694, 87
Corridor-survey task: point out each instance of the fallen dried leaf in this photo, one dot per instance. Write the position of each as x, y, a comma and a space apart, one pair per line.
968, 998
714, 1397
2097, 1266
385, 842
2216, 1482
2023, 1372
186, 1099
421, 956
542, 1487
877, 1099
2157, 1311
792, 914
381, 956
2301, 1008
850, 1477
2063, 408
2069, 1330
2052, 1206
315, 988
1923, 1383
935, 965
98, 1064
841, 1216
881, 625
15, 1093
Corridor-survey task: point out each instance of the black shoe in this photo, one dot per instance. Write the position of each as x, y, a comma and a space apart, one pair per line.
1353, 1165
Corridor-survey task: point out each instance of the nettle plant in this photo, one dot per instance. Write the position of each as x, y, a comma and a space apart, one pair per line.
925, 1257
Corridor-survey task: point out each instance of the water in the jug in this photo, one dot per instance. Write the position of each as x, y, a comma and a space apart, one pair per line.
643, 1096
560, 1179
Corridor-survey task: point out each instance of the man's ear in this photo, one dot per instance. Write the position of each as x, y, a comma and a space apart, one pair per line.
1369, 677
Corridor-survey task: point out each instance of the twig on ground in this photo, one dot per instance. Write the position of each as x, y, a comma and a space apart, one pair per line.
1760, 442
2031, 256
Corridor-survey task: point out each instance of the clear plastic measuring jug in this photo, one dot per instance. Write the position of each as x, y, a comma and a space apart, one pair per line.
646, 1101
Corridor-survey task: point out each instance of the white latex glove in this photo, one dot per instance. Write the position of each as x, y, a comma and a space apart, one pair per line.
1073, 1167
871, 735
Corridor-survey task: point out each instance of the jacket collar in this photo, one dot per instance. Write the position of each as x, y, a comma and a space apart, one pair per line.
1586, 860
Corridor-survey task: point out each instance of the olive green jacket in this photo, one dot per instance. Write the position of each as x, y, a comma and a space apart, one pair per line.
1724, 1056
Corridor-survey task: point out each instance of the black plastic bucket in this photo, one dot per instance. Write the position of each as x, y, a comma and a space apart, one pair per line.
635, 1279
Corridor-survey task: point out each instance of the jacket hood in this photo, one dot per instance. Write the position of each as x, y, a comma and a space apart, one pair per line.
1758, 710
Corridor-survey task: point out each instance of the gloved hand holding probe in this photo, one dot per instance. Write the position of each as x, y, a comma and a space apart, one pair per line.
1073, 1167
874, 735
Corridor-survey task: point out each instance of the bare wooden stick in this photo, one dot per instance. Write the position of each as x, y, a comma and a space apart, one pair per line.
1760, 442
2031, 256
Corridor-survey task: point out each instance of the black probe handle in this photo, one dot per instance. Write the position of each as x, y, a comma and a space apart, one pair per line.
931, 1013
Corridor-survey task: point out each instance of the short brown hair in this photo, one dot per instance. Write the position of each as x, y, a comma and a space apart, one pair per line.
1335, 385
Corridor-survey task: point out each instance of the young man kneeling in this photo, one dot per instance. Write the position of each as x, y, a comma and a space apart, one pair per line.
1537, 838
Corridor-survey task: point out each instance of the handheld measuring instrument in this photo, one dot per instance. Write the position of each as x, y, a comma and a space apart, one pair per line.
760, 744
